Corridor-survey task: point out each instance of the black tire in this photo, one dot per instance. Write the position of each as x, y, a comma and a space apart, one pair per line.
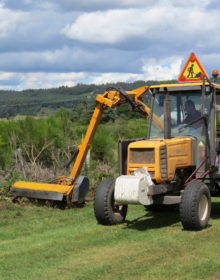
107, 212
195, 206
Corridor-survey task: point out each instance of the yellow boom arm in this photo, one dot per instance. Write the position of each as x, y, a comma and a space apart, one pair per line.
109, 99
64, 186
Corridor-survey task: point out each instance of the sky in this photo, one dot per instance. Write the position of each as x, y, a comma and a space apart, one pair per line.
53, 43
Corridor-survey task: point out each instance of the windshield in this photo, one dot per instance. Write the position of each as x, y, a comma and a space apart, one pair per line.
185, 113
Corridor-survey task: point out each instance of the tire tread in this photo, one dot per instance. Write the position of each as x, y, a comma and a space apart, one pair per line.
102, 204
189, 206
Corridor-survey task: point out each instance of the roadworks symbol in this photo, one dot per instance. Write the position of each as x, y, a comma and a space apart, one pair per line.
192, 71
191, 74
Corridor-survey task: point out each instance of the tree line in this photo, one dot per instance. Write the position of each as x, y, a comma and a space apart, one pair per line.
43, 102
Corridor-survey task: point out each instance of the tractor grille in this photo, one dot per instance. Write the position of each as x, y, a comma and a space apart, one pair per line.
142, 155
163, 161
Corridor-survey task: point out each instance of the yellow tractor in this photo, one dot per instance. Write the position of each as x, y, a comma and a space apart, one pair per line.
177, 163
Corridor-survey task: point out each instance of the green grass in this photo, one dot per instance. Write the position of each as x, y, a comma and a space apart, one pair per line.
48, 243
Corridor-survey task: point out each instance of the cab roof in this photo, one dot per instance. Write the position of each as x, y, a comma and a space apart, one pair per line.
184, 86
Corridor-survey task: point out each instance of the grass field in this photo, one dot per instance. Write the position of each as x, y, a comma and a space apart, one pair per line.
47, 243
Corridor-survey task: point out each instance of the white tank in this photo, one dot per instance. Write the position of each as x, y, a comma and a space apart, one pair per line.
134, 189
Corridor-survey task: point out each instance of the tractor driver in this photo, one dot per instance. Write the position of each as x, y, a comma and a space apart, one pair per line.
192, 114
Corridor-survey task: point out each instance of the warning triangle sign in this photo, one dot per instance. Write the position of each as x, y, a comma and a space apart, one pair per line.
192, 71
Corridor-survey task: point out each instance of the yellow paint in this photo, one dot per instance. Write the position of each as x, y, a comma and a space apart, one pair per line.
65, 189
179, 155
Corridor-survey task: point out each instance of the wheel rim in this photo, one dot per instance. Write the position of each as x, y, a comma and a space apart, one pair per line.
117, 209
203, 207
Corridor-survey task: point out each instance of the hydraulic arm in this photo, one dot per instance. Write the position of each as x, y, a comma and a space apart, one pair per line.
75, 187
110, 99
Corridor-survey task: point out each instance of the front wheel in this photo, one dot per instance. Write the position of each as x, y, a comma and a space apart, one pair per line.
195, 206
107, 211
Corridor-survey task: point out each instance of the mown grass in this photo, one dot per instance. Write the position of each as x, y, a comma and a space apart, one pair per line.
48, 243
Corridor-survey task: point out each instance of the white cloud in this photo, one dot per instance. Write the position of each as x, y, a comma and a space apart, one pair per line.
152, 69
156, 23
49, 80
20, 81
6, 76
164, 69
105, 78
106, 27
9, 20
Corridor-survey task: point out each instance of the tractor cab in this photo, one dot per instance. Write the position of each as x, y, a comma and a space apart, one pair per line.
184, 110
189, 110
186, 140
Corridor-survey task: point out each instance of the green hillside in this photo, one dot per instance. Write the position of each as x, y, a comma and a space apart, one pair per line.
45, 101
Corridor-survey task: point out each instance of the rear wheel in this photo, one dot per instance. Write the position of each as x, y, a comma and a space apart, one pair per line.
107, 211
195, 206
